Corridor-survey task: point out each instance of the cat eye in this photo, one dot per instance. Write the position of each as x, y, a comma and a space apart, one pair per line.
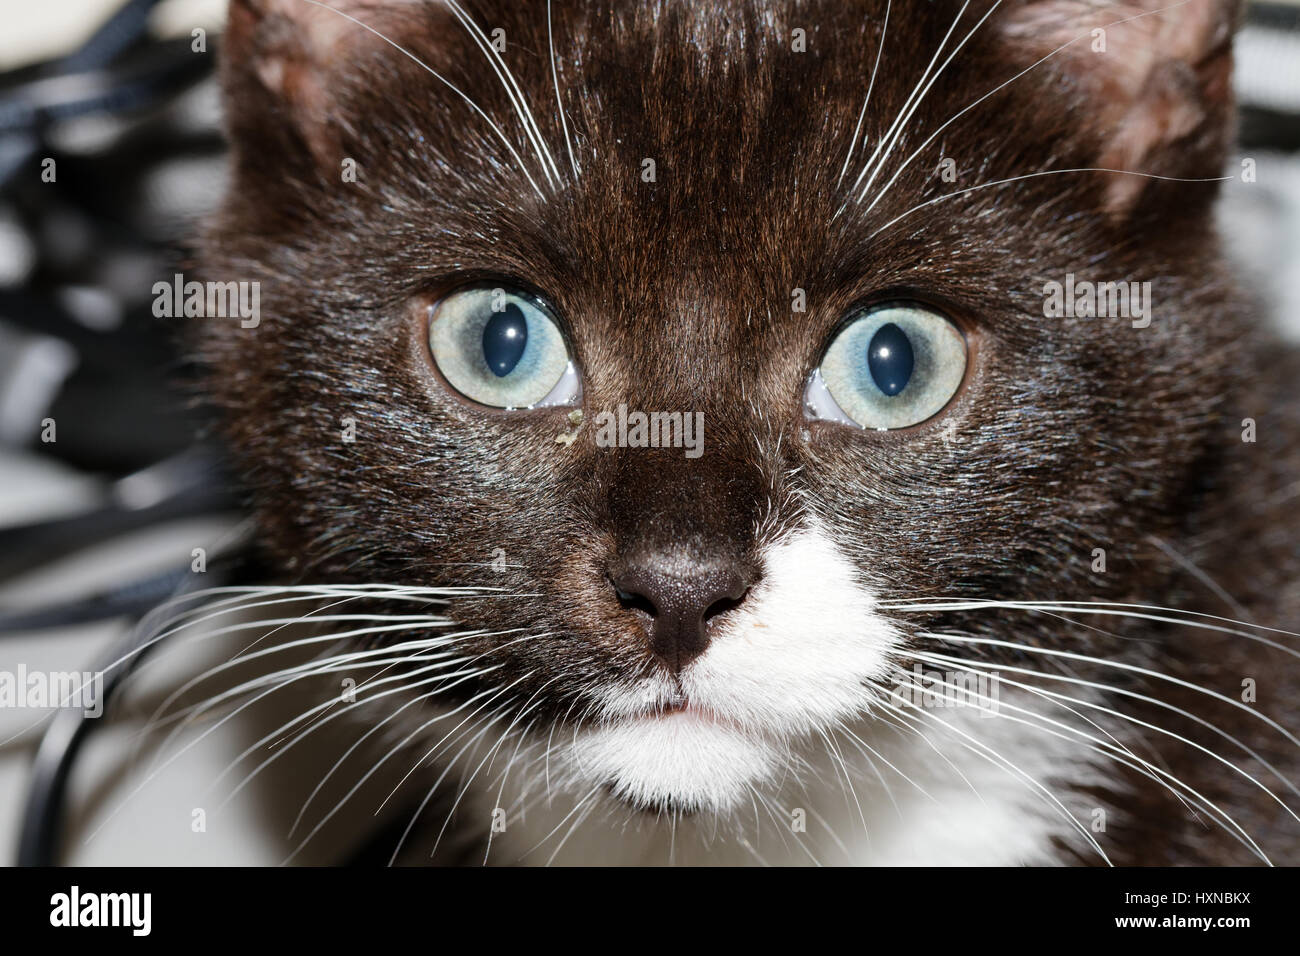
500, 347
892, 366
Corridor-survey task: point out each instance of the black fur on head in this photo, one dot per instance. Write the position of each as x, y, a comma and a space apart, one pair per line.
1068, 434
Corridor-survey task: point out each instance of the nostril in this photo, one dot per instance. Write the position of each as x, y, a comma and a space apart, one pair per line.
632, 601
678, 611
723, 605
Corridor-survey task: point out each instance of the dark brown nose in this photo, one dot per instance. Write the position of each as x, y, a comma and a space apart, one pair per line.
682, 601
683, 551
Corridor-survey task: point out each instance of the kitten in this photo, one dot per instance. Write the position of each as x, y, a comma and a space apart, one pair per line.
994, 508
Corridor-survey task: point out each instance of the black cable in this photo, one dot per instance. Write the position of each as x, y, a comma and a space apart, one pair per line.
129, 600
90, 80
116, 34
47, 795
155, 74
185, 486
38, 843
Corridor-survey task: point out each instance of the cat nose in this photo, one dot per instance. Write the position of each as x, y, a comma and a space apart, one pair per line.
683, 603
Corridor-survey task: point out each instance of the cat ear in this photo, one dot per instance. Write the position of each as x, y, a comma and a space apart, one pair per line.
1155, 78
282, 60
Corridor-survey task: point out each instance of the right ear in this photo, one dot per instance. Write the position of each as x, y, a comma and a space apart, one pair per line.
282, 66
1155, 77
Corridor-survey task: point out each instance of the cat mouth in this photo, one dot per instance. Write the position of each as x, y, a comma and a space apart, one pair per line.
677, 704
681, 709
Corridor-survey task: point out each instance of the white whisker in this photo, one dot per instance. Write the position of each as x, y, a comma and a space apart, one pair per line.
1045, 172
559, 101
998, 669
512, 88
889, 133
1098, 745
903, 120
490, 693
1132, 668
880, 48
993, 756
451, 86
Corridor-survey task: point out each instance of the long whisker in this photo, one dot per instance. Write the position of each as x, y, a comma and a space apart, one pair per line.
241, 601
853, 143
523, 712
871, 161
576, 807
889, 792
1044, 610
407, 623
559, 101
842, 771
159, 768
404, 685
320, 784
1098, 745
980, 747
441, 676
1093, 607
289, 675
1137, 696
916, 733
956, 661
956, 116
1132, 668
586, 812
419, 812
513, 91
490, 693
1045, 172
152, 622
451, 86
863, 743
890, 148
1186, 563
513, 761
434, 749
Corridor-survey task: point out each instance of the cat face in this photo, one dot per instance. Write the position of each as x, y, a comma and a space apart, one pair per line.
837, 274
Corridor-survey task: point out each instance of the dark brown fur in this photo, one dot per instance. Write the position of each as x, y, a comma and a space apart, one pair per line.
1070, 434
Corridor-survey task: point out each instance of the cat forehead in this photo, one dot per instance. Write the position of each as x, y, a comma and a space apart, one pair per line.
691, 129
622, 77
671, 158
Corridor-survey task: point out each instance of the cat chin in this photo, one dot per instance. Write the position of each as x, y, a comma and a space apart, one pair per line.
682, 763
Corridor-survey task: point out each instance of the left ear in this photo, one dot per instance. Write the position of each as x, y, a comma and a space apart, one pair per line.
1155, 75
283, 61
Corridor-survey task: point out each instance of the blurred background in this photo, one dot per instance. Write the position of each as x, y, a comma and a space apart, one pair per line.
110, 152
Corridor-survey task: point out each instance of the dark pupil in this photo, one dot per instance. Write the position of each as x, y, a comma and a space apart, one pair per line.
504, 339
889, 357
